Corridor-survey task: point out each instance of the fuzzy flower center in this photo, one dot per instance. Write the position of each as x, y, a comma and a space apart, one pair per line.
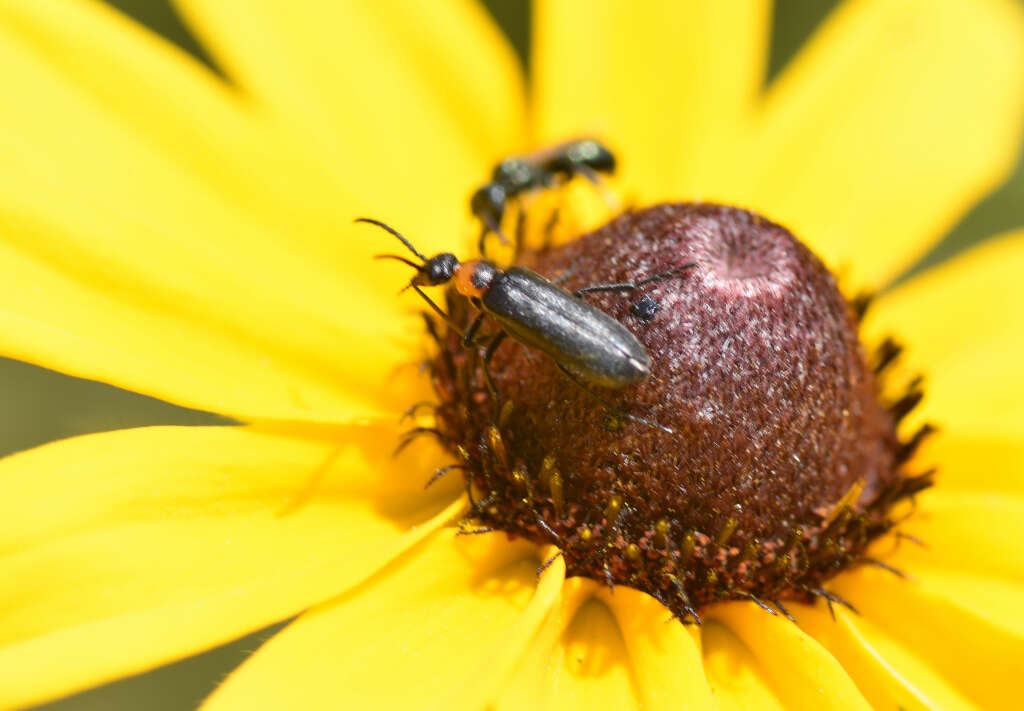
755, 461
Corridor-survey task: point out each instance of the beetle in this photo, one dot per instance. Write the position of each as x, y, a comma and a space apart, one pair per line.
543, 169
586, 344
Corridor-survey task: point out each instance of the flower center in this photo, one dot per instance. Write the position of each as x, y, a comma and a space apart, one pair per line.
754, 462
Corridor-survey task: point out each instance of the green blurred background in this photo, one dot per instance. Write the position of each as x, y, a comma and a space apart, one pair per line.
41, 406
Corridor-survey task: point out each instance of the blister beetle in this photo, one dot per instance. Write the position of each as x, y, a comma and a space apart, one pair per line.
519, 174
587, 344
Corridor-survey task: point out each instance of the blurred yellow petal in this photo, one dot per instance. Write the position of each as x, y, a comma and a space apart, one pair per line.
595, 663
976, 461
179, 149
971, 369
125, 550
887, 127
996, 601
537, 682
978, 532
886, 672
668, 84
203, 252
977, 290
736, 679
799, 672
969, 631
666, 659
424, 633
578, 660
143, 278
97, 296
410, 101
169, 112
968, 391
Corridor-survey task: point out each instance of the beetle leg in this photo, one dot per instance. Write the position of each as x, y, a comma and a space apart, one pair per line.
611, 408
467, 339
620, 286
632, 285
437, 310
667, 275
492, 348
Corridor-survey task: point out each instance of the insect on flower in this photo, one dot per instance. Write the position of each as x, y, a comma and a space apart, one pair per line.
587, 344
516, 175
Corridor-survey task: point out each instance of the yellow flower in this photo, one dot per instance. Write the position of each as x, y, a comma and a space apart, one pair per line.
188, 238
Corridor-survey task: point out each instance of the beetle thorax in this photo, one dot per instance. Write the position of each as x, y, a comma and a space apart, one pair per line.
473, 279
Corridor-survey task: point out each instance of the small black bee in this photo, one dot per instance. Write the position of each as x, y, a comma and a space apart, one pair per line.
543, 169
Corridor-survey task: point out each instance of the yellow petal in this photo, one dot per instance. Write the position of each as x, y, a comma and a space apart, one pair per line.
125, 550
173, 145
969, 630
148, 252
969, 531
887, 673
594, 662
799, 672
203, 324
581, 659
192, 125
669, 85
578, 660
411, 102
433, 630
995, 601
80, 293
736, 679
976, 290
963, 327
976, 461
666, 659
888, 126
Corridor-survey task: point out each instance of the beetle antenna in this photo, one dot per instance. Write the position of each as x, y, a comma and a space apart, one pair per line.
395, 232
403, 260
397, 258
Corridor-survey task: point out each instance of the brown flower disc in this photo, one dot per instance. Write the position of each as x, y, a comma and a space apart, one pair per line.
781, 465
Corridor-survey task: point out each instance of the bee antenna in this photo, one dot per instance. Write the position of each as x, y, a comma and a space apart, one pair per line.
393, 231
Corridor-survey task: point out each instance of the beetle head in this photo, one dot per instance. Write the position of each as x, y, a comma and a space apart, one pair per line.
439, 269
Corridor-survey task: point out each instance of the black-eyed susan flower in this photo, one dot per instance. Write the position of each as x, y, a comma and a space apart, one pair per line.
186, 237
